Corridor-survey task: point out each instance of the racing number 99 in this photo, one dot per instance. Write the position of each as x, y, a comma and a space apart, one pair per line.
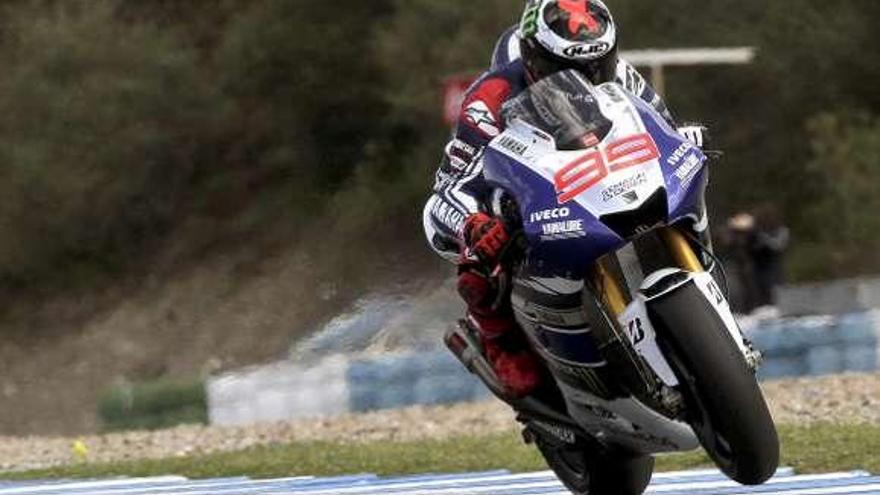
589, 169
579, 176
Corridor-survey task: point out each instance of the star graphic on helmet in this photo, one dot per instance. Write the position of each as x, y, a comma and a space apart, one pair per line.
579, 15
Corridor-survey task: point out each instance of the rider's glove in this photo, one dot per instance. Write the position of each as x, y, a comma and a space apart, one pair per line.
696, 134
485, 237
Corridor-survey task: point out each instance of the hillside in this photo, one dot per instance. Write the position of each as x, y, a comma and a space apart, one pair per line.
220, 314
189, 186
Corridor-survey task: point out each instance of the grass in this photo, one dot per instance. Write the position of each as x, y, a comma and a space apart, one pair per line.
809, 449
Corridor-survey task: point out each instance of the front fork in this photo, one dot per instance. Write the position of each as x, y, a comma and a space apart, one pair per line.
613, 295
681, 250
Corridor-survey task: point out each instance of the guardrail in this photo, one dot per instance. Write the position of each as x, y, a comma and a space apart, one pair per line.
792, 347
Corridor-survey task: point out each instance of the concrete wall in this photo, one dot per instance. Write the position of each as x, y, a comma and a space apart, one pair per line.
792, 347
339, 385
819, 345
279, 391
829, 298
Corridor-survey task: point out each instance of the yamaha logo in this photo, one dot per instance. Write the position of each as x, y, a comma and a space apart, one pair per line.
591, 49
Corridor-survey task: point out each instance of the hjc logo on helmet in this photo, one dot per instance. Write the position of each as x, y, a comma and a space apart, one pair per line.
591, 49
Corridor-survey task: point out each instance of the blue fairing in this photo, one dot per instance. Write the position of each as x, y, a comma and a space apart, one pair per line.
574, 347
563, 258
570, 257
685, 198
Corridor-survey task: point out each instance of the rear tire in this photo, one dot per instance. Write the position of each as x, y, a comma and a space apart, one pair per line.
593, 470
727, 409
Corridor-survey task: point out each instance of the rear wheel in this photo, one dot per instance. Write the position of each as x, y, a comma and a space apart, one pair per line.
589, 469
726, 407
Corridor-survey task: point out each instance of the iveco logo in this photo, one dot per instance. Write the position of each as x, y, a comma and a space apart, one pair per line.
584, 50
556, 213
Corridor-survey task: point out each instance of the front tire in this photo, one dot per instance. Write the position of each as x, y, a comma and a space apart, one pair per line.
593, 470
726, 407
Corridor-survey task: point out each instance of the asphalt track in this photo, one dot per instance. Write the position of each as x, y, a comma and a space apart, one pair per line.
704, 482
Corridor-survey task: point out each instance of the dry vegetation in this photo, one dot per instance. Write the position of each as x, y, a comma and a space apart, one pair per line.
181, 180
845, 399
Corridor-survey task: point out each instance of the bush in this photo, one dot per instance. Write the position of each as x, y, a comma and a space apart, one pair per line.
154, 405
843, 236
99, 121
122, 121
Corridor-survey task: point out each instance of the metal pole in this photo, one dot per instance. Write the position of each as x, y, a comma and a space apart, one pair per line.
658, 79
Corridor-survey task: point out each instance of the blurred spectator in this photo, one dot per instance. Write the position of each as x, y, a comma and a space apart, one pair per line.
768, 242
753, 246
735, 239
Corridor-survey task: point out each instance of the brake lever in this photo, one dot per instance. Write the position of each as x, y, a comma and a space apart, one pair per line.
714, 155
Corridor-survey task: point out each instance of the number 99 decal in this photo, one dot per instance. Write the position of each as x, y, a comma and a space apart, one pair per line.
589, 169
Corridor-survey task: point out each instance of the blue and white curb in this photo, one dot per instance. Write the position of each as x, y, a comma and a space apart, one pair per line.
699, 482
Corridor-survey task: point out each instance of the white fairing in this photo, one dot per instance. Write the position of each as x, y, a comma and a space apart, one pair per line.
621, 190
630, 415
707, 285
638, 328
628, 422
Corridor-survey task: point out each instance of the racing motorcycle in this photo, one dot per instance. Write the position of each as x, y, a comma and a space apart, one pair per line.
614, 283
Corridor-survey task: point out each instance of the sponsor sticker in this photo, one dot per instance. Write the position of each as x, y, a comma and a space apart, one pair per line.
553, 214
586, 50
625, 186
461, 150
513, 145
688, 169
679, 154
529, 24
591, 168
568, 229
449, 216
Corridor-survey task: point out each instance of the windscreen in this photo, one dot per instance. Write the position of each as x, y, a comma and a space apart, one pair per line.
564, 106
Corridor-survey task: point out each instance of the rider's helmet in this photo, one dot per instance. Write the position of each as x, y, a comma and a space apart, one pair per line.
568, 34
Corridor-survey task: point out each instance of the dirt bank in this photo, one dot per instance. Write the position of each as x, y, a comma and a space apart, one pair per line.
224, 313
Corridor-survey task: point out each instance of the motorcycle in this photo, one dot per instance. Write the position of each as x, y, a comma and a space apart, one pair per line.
614, 283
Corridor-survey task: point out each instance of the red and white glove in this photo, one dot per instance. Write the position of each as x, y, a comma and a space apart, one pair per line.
485, 237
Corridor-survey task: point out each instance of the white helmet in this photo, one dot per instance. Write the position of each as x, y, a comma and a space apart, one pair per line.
569, 34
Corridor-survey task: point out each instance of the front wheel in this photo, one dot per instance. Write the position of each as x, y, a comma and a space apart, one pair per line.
589, 469
726, 407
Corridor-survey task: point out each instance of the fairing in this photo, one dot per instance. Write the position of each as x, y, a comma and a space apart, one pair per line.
568, 198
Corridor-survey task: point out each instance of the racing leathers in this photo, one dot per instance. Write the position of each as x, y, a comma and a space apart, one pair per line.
454, 223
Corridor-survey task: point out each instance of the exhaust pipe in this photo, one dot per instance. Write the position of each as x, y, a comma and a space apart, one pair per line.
465, 347
463, 344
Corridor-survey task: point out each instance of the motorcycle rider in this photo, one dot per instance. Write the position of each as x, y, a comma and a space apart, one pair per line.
553, 35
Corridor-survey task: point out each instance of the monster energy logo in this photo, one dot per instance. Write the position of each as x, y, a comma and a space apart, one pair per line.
529, 24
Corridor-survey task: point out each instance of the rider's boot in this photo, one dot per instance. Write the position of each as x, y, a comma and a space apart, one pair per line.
504, 343
509, 353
